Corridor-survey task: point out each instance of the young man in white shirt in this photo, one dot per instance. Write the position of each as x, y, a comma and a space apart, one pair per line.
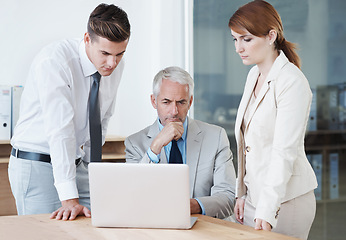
48, 168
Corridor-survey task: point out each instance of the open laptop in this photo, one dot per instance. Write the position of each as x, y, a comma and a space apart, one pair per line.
140, 195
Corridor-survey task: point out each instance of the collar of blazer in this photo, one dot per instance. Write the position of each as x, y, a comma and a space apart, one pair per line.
194, 140
274, 72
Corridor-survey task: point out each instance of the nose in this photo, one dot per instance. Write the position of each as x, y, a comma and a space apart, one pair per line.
238, 47
111, 61
174, 109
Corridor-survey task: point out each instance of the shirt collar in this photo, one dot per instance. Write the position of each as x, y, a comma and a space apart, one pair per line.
87, 66
185, 127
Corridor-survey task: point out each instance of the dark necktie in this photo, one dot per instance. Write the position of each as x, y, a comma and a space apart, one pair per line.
175, 155
95, 120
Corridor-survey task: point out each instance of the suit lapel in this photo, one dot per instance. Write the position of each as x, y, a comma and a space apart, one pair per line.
194, 141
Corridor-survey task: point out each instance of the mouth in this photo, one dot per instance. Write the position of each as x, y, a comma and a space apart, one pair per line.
174, 119
108, 69
243, 57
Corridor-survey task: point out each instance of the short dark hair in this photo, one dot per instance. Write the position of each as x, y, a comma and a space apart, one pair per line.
109, 21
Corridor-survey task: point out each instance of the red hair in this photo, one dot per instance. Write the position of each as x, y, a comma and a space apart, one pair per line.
258, 18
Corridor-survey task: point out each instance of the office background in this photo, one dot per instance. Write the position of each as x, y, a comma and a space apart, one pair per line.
193, 34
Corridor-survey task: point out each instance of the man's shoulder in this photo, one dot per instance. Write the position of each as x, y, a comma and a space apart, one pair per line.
63, 49
59, 54
206, 126
140, 134
212, 131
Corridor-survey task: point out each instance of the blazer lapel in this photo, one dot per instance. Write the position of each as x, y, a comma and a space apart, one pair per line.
194, 139
248, 89
152, 133
262, 93
279, 62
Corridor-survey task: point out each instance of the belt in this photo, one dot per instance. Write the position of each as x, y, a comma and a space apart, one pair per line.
34, 156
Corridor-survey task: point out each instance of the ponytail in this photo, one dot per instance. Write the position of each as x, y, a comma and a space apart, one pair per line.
289, 49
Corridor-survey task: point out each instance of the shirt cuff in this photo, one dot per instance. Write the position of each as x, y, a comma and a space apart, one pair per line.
201, 205
67, 190
153, 157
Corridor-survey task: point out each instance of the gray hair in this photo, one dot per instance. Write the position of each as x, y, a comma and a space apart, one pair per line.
174, 74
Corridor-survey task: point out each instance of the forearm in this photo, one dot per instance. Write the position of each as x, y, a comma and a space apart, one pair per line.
218, 205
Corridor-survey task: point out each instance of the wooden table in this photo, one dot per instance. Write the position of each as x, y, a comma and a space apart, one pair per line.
41, 227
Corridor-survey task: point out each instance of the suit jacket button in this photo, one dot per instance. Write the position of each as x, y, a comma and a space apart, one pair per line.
247, 149
277, 213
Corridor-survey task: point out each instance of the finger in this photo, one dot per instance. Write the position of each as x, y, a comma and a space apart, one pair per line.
66, 214
177, 137
266, 226
258, 224
240, 220
86, 212
241, 212
59, 214
237, 213
53, 215
73, 215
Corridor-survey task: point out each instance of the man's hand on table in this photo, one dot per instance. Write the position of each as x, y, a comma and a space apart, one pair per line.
70, 210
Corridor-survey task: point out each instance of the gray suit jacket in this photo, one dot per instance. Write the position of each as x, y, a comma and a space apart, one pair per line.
208, 155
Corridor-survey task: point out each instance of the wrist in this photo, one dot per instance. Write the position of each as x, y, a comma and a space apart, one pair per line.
69, 201
156, 148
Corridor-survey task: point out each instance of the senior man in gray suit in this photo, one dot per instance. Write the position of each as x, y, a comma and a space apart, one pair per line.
176, 138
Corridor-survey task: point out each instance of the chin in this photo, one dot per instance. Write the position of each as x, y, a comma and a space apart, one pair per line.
106, 73
247, 62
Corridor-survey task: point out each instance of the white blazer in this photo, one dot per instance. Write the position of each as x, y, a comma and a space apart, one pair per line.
276, 166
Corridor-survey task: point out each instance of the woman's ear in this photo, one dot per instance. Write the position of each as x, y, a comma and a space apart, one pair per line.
272, 35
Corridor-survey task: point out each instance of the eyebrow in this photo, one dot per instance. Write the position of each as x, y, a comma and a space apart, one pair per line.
181, 100
120, 53
243, 36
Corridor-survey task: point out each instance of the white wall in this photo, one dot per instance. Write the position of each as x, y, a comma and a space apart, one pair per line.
157, 41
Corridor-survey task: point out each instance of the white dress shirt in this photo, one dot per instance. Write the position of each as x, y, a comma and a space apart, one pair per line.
54, 109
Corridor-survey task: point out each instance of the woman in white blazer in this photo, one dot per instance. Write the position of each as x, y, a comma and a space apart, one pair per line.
275, 180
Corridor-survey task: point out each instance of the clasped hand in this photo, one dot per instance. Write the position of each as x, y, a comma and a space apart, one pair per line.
172, 131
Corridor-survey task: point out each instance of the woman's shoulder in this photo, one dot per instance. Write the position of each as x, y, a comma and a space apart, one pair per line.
292, 79
290, 74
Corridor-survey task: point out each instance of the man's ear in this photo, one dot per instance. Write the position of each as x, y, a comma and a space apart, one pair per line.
87, 39
153, 101
191, 99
